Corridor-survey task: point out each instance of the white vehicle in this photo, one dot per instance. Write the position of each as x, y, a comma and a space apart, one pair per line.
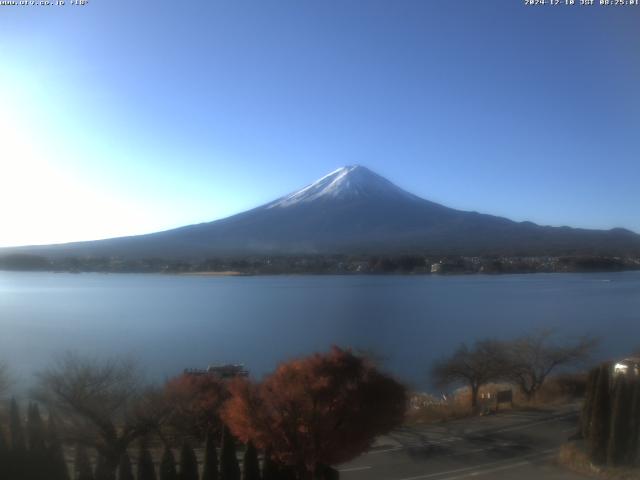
628, 366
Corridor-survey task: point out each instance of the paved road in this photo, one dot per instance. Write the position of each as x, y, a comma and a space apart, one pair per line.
510, 445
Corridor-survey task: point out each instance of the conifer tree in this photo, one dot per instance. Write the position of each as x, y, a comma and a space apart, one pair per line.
18, 463
600, 418
269, 468
168, 466
272, 470
210, 469
4, 456
285, 472
18, 444
102, 470
587, 408
188, 463
250, 465
229, 468
35, 430
146, 469
125, 472
82, 465
38, 460
56, 462
634, 441
619, 438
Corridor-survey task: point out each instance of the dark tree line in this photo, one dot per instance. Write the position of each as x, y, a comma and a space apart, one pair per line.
610, 420
312, 413
31, 451
416, 262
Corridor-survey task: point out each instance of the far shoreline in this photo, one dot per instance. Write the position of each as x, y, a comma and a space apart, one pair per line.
223, 274
228, 273
338, 264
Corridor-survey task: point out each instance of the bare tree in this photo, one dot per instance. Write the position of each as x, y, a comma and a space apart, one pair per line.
530, 359
476, 366
103, 404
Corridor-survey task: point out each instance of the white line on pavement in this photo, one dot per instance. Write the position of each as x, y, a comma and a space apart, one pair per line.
354, 469
478, 473
520, 427
454, 439
394, 449
475, 468
491, 470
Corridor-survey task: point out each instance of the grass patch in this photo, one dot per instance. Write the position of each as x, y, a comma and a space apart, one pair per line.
558, 390
573, 457
433, 413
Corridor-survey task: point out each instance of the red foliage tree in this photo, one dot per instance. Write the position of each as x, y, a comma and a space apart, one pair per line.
317, 411
196, 401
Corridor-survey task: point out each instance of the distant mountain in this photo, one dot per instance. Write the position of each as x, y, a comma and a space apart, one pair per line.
354, 210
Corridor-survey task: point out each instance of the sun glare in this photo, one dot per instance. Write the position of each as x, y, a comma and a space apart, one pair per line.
42, 200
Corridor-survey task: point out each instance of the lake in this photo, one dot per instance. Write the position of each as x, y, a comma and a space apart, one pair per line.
170, 322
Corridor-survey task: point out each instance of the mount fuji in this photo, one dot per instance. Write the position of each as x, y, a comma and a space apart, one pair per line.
353, 210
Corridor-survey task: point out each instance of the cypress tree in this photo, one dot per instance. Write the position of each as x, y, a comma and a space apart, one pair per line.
146, 470
210, 469
587, 407
600, 418
35, 430
4, 456
188, 463
286, 473
38, 455
100, 470
618, 448
250, 465
168, 466
273, 470
56, 462
269, 467
18, 445
229, 468
82, 465
125, 472
18, 462
634, 441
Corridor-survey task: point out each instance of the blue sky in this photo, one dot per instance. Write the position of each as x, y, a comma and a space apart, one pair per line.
124, 117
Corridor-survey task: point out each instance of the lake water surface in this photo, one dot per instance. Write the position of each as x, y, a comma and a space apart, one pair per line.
171, 322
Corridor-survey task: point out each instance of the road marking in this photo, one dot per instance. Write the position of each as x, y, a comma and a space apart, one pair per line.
484, 433
394, 449
440, 441
520, 427
354, 469
497, 469
491, 470
474, 468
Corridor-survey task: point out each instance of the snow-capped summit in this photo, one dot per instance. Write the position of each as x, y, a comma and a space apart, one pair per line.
352, 210
352, 181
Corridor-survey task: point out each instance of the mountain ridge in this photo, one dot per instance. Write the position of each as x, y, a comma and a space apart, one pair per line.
353, 210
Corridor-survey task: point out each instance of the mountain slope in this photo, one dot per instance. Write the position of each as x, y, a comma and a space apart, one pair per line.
354, 210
